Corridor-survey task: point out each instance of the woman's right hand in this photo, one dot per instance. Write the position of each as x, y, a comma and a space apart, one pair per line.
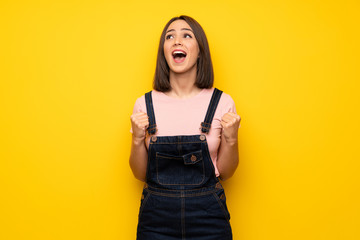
139, 123
139, 156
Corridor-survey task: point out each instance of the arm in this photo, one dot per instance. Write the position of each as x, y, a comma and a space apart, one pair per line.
139, 155
228, 157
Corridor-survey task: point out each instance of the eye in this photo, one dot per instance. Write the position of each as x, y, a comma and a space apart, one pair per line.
186, 35
169, 36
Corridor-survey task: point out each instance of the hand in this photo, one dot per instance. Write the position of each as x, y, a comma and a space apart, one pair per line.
139, 123
230, 123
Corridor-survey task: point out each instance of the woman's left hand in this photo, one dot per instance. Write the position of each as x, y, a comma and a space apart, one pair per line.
230, 123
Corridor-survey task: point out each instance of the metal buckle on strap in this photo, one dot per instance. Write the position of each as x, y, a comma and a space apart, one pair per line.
152, 129
205, 127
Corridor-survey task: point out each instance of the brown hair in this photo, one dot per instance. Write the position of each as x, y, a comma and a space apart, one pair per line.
204, 73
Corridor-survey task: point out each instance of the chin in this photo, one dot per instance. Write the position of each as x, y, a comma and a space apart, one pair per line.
179, 70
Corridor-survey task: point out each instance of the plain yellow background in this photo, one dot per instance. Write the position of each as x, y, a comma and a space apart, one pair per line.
71, 71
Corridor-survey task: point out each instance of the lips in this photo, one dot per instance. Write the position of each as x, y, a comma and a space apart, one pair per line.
179, 55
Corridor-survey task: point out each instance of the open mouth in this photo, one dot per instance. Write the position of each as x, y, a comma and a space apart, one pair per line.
179, 55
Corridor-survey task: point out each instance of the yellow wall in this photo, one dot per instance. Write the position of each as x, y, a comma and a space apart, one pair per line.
71, 71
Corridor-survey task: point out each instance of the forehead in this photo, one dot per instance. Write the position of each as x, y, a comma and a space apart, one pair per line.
178, 25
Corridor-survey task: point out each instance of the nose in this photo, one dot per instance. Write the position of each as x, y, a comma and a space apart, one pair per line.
177, 41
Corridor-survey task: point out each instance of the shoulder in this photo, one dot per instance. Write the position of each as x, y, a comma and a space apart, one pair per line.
226, 98
140, 105
226, 104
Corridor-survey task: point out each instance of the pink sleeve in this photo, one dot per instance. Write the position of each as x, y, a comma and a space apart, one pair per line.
138, 107
230, 106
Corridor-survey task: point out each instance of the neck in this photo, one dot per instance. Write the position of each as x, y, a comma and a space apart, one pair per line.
183, 84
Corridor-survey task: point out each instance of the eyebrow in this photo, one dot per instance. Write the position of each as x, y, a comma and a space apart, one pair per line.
188, 29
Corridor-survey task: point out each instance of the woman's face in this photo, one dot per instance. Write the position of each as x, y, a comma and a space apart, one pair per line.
181, 48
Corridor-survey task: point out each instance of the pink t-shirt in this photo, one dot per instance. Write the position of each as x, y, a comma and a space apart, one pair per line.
183, 116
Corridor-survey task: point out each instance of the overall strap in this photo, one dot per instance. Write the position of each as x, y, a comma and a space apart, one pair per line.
150, 111
206, 124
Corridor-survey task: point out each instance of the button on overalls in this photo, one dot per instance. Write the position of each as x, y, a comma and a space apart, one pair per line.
182, 198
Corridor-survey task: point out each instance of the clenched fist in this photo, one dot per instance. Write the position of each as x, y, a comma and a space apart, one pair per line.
139, 123
230, 123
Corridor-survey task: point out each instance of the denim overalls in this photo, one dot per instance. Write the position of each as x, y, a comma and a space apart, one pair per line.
182, 198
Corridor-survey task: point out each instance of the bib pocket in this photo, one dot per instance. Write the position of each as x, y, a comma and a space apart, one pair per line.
187, 169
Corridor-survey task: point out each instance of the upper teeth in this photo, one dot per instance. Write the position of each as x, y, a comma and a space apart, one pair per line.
176, 52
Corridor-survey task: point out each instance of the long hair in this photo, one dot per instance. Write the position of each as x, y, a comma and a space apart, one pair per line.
204, 73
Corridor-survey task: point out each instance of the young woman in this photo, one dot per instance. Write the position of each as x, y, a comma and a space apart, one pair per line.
184, 138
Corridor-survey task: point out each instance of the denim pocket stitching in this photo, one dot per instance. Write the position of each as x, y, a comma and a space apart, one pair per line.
160, 155
187, 157
143, 204
226, 214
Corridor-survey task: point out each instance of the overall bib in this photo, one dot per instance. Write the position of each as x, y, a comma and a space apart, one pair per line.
182, 198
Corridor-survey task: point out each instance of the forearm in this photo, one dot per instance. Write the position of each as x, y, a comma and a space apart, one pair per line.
138, 158
228, 158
